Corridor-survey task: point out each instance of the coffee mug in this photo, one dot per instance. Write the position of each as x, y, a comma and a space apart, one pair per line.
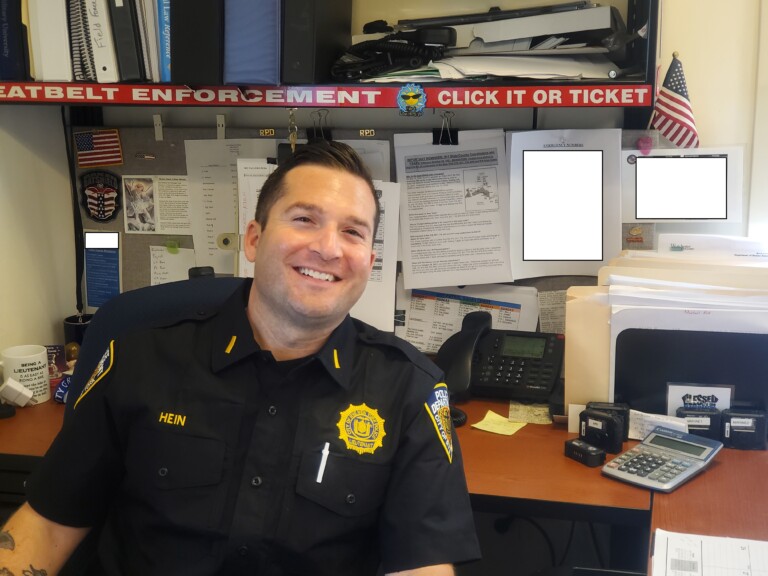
75, 326
28, 365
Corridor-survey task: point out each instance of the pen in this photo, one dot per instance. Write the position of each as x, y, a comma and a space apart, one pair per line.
323, 460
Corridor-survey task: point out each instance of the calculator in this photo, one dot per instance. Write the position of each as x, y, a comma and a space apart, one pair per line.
663, 460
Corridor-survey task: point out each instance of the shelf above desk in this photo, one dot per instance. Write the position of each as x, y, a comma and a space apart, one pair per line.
623, 94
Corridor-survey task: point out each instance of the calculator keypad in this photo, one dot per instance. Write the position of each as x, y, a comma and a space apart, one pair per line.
651, 464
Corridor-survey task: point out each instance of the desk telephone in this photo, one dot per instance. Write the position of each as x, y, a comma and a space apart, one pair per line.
501, 363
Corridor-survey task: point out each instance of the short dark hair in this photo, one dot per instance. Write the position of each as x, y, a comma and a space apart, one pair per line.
330, 154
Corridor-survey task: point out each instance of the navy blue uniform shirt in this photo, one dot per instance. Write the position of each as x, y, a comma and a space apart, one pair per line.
201, 455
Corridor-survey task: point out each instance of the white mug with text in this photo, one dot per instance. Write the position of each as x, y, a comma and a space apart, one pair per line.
28, 365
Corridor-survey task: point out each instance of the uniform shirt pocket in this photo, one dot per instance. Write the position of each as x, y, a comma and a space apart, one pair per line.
178, 475
349, 487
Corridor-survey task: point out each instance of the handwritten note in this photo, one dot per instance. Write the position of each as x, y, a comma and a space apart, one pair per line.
498, 424
170, 265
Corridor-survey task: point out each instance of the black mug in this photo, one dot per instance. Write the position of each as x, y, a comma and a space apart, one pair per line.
74, 328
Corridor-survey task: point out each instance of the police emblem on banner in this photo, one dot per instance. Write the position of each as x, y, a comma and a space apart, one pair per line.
361, 428
102, 368
440, 414
100, 196
411, 99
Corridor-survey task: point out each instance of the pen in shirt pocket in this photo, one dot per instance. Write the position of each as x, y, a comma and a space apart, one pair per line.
323, 462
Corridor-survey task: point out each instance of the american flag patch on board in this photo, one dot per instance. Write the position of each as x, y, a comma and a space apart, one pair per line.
98, 148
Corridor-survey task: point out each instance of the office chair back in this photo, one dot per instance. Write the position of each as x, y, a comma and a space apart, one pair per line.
144, 308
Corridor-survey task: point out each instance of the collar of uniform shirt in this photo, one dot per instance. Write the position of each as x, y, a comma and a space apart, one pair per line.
231, 322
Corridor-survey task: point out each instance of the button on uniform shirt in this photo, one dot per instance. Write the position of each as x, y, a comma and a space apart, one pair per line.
201, 455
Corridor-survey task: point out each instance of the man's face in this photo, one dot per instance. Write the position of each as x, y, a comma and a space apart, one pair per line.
313, 258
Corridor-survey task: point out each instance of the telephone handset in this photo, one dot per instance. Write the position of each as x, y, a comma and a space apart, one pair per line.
501, 363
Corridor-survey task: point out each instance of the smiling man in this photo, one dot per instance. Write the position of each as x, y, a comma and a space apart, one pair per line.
275, 435
312, 248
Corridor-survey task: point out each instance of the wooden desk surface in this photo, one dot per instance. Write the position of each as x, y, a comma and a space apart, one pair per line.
730, 498
32, 430
531, 465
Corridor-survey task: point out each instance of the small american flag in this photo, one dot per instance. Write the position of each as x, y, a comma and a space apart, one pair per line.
672, 113
98, 148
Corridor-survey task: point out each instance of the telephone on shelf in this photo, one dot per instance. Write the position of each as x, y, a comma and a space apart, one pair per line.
510, 364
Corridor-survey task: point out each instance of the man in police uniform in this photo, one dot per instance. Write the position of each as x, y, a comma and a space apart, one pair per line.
275, 435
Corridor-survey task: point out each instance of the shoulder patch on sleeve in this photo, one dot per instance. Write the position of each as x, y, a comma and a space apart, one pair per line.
440, 414
102, 369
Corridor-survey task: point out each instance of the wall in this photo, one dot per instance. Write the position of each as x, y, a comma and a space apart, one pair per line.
758, 208
37, 279
718, 46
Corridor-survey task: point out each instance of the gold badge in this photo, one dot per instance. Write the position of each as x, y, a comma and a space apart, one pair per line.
361, 428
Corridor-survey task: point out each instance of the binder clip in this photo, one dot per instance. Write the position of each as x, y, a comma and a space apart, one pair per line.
319, 130
446, 134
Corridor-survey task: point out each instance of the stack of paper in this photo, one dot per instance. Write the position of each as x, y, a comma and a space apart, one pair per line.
565, 67
719, 289
566, 44
542, 67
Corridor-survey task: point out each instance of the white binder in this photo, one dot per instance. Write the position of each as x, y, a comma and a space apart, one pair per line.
49, 32
102, 42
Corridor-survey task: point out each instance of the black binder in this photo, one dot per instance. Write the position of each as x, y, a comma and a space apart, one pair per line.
197, 42
13, 55
315, 35
125, 32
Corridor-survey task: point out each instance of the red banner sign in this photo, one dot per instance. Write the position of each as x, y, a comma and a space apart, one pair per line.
359, 96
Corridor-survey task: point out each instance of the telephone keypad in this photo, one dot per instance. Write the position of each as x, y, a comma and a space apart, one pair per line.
524, 377
515, 371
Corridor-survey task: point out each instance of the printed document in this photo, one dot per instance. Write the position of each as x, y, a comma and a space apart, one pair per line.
212, 177
426, 318
251, 175
377, 304
454, 209
565, 197
676, 554
156, 204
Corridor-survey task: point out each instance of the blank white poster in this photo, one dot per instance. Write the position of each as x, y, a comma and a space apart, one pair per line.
681, 187
565, 201
563, 205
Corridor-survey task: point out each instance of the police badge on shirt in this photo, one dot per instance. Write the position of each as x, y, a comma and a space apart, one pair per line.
100, 196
